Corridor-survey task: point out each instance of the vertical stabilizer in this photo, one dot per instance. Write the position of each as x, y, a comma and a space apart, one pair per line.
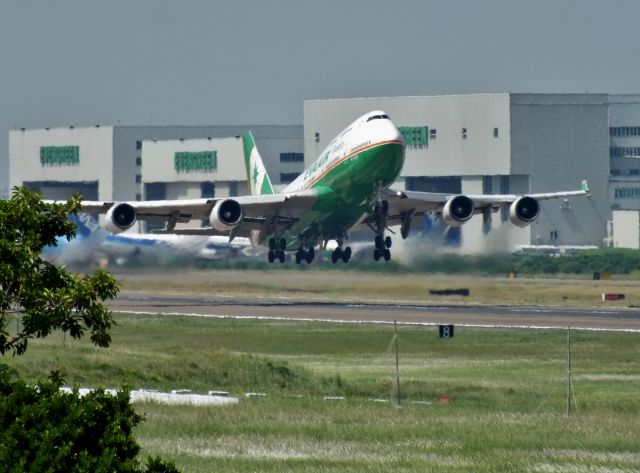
259, 182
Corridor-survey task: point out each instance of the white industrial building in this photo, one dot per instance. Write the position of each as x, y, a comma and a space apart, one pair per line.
473, 144
135, 163
495, 143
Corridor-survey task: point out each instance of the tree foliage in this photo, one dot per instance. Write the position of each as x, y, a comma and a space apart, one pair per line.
45, 429
46, 297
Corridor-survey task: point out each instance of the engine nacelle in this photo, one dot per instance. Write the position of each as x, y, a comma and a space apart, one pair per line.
120, 217
457, 210
524, 211
225, 215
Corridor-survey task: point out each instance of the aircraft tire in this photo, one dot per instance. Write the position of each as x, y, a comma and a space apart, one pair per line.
281, 256
388, 242
271, 256
387, 255
272, 244
346, 254
376, 254
379, 242
309, 256
283, 244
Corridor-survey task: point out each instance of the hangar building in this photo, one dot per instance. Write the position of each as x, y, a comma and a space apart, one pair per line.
135, 163
495, 143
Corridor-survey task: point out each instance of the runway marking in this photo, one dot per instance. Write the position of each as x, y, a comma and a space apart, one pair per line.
379, 322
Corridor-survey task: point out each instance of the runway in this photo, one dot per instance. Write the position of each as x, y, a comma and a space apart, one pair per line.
383, 312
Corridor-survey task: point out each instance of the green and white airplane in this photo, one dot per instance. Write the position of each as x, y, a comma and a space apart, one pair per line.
344, 190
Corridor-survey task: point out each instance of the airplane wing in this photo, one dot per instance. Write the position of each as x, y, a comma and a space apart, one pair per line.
264, 213
404, 206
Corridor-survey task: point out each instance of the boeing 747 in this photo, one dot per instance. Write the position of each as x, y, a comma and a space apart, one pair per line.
346, 189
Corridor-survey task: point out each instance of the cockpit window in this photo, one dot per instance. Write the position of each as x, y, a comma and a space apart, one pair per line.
378, 117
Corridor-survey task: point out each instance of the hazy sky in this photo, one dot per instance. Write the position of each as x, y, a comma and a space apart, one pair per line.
134, 62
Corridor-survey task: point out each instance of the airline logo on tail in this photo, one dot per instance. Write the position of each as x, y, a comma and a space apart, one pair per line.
259, 182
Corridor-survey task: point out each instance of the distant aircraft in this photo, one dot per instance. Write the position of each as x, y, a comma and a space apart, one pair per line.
344, 190
92, 243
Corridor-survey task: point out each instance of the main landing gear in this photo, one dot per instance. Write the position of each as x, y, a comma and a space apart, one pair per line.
276, 250
341, 254
305, 254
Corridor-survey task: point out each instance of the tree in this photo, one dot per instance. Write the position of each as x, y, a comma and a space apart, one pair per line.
45, 429
46, 297
41, 427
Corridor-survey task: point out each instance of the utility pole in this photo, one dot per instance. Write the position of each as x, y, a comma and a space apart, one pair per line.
395, 337
568, 371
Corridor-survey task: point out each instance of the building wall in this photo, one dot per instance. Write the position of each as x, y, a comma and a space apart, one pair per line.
558, 140
626, 229
95, 145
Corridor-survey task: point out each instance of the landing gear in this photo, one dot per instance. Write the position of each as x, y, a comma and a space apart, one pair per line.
276, 250
305, 255
381, 211
341, 254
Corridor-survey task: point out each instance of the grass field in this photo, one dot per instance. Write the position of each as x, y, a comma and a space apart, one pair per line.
506, 392
411, 287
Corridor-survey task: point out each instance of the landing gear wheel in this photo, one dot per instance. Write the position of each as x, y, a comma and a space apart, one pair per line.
379, 242
271, 256
272, 244
346, 254
386, 254
387, 242
376, 254
310, 255
281, 256
336, 255
283, 244
300, 255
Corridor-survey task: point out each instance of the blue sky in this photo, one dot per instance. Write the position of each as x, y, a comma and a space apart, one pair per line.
133, 62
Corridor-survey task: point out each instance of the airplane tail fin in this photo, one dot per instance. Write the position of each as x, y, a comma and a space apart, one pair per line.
87, 225
259, 182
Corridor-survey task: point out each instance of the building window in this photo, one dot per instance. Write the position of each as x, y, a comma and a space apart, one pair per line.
317, 137
138, 178
495, 132
615, 172
138, 197
433, 133
624, 131
138, 144
464, 133
291, 157
138, 161
634, 172
624, 152
207, 190
287, 177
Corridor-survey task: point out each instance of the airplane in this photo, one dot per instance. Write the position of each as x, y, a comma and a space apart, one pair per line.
92, 243
346, 189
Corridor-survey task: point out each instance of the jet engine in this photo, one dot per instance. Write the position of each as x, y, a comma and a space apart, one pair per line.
457, 210
524, 211
225, 215
120, 217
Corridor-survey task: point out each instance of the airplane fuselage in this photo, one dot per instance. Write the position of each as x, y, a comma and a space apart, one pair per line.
366, 156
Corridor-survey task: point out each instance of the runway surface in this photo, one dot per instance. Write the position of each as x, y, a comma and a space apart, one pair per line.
383, 312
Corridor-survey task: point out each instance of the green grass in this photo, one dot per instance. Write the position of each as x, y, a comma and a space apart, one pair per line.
506, 391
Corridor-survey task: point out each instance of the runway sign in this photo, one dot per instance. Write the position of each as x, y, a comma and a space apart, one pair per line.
446, 331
